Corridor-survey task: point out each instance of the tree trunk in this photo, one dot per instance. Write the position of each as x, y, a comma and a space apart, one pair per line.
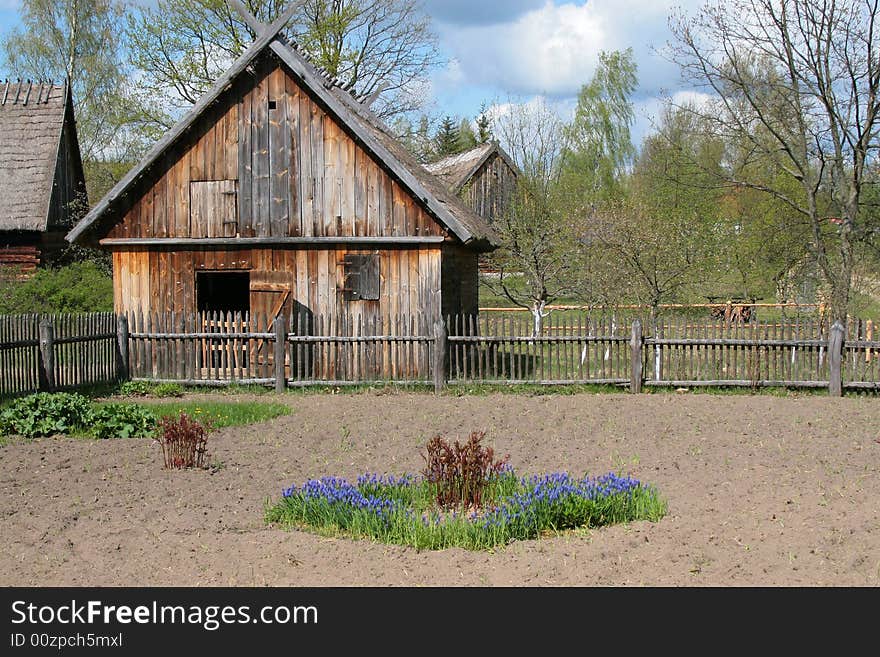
538, 316
841, 285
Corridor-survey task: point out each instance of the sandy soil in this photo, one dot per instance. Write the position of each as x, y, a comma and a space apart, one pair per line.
762, 490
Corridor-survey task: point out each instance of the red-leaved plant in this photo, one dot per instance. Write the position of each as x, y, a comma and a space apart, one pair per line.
461, 472
184, 441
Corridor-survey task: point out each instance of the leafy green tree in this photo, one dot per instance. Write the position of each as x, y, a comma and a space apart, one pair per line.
80, 40
599, 146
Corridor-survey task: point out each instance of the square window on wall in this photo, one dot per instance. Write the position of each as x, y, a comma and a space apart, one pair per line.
361, 282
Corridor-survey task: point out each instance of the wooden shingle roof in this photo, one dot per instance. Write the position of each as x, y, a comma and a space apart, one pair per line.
365, 128
31, 123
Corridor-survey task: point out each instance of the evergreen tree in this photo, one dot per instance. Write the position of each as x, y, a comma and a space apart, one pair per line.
466, 137
446, 140
484, 126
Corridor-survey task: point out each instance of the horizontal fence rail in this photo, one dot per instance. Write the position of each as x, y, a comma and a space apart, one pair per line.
54, 352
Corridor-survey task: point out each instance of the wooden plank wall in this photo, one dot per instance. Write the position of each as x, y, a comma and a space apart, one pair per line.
460, 277
490, 189
299, 173
161, 281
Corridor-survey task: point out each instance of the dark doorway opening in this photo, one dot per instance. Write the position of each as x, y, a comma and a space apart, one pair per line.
223, 291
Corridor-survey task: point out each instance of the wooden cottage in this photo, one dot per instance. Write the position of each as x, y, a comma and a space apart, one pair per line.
280, 194
42, 187
483, 177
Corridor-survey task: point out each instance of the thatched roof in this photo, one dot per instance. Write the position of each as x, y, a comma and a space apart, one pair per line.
31, 122
456, 170
353, 115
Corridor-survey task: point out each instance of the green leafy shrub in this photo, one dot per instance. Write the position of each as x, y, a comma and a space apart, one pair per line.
135, 389
79, 287
122, 421
184, 441
168, 390
45, 414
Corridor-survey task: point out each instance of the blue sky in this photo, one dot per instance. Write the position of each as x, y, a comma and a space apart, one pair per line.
502, 50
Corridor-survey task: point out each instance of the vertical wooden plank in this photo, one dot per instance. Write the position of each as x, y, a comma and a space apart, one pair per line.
351, 190
295, 154
373, 192
835, 354
245, 166
398, 212
230, 158
306, 173
279, 155
331, 213
260, 154
316, 117
360, 180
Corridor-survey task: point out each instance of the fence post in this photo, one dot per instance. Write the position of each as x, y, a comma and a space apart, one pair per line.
47, 355
635, 343
122, 372
280, 348
835, 356
440, 346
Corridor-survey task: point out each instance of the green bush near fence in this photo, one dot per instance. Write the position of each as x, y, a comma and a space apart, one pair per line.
81, 287
47, 414
145, 388
122, 421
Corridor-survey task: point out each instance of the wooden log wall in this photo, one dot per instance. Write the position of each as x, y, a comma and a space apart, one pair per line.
293, 171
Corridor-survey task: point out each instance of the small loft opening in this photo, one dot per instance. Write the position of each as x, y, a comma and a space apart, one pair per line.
223, 291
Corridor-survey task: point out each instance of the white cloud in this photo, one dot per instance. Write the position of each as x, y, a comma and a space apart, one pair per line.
10, 5
692, 97
554, 49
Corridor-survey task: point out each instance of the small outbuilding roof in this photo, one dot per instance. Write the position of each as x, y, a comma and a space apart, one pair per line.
31, 124
456, 170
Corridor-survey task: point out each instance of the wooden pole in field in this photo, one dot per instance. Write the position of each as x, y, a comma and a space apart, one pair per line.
635, 343
440, 346
835, 356
47, 355
280, 347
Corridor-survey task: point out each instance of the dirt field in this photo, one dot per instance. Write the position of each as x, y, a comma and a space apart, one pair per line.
762, 490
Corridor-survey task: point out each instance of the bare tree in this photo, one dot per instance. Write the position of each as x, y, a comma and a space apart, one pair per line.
652, 256
381, 47
538, 261
796, 82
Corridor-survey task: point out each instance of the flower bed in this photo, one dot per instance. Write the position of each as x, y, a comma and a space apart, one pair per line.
404, 510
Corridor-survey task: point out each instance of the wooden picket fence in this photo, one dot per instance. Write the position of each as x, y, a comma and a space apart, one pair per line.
70, 351
58, 352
